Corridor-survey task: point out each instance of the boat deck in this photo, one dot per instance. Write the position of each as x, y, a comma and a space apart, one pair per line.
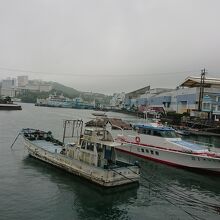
190, 146
48, 146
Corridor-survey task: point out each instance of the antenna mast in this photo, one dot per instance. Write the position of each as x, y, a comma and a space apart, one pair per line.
201, 91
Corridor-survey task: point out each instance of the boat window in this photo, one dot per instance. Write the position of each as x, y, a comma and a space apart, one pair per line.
169, 134
148, 131
157, 153
108, 152
83, 146
140, 130
142, 150
157, 133
100, 133
146, 150
152, 152
90, 146
88, 132
99, 147
144, 131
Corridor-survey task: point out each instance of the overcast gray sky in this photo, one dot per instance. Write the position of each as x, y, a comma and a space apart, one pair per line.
110, 46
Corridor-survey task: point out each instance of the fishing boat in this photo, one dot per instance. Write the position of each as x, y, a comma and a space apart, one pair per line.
93, 157
158, 142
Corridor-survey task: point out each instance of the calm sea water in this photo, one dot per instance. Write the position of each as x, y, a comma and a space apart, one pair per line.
31, 189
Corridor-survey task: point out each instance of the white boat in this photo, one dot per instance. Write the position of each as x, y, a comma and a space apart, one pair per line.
160, 143
93, 157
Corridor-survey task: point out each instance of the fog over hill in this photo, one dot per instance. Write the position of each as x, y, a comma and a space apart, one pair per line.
67, 92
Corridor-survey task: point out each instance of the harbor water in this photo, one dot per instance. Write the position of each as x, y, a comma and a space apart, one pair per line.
31, 189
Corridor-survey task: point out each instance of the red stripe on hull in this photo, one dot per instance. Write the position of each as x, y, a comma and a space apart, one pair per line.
170, 163
172, 150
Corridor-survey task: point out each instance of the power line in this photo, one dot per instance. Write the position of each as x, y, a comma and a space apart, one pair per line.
97, 75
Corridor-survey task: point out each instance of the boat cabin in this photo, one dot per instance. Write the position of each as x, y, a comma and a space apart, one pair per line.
96, 147
159, 131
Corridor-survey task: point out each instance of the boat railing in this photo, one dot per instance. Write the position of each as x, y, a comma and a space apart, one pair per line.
122, 130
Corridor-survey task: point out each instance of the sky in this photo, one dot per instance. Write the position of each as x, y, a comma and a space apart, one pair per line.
110, 46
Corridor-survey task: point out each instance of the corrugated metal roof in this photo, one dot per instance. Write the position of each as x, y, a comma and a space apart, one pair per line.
193, 81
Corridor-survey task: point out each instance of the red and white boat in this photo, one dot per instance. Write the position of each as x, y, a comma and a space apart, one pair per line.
160, 143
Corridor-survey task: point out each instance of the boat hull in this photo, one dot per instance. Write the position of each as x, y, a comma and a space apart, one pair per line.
10, 107
173, 158
103, 177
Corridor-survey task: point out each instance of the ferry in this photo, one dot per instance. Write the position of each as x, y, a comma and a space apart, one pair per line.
55, 101
93, 157
161, 143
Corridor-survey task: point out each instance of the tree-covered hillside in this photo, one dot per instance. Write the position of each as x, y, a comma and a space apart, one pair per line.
31, 97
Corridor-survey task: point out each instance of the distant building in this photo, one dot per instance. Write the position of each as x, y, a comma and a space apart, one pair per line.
131, 97
22, 81
211, 94
118, 100
12, 86
185, 98
35, 86
146, 97
8, 87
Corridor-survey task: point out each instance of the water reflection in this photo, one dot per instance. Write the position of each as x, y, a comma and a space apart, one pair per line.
195, 191
31, 189
87, 200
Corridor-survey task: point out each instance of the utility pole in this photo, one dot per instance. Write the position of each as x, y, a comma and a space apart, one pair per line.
201, 91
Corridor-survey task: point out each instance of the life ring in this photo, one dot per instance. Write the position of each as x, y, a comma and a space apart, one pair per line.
137, 139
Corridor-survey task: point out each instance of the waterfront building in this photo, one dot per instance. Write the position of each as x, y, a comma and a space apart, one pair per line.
8, 87
118, 101
35, 86
131, 98
185, 98
207, 92
22, 81
148, 98
12, 86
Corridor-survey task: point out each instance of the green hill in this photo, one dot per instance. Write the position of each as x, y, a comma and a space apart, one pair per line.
67, 92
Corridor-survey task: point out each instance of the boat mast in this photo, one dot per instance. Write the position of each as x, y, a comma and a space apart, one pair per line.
75, 128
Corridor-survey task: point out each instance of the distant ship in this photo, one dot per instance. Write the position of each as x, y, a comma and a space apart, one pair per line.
64, 102
7, 104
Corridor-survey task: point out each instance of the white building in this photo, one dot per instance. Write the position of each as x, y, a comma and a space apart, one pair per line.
8, 87
184, 98
36, 86
12, 86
